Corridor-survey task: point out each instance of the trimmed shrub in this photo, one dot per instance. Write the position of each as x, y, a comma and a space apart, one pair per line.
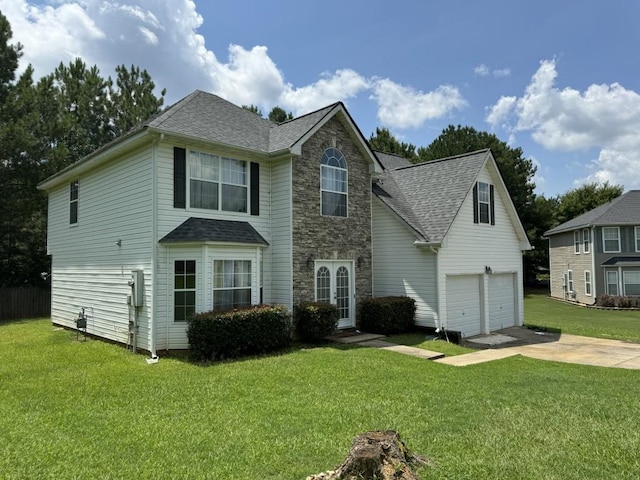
314, 321
234, 333
388, 315
617, 301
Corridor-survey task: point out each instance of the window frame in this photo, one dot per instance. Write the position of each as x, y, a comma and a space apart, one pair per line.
576, 242
624, 283
608, 283
486, 202
74, 195
189, 308
570, 284
223, 167
328, 155
587, 283
636, 231
604, 239
233, 288
586, 240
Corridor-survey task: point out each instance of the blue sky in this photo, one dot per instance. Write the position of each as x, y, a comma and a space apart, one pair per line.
557, 78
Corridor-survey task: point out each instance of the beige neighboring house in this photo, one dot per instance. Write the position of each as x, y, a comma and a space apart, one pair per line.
597, 252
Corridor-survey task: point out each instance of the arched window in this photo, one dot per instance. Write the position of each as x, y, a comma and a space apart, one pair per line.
333, 187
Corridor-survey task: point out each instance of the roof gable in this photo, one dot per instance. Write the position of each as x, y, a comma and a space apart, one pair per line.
622, 210
429, 195
210, 230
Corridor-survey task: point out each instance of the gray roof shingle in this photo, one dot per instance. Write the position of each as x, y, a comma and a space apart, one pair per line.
622, 210
391, 161
429, 195
211, 230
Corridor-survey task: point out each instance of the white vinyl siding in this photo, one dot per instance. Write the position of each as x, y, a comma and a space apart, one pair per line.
576, 242
399, 268
281, 250
89, 268
611, 239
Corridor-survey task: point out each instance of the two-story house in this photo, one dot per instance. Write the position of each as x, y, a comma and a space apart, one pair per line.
597, 252
207, 206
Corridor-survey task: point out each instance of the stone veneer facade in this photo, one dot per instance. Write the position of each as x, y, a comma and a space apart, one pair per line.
331, 238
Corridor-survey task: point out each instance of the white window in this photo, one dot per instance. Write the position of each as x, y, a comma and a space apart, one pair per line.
333, 188
73, 202
184, 290
576, 241
217, 183
570, 280
611, 239
231, 284
587, 283
637, 234
631, 282
484, 203
586, 240
612, 282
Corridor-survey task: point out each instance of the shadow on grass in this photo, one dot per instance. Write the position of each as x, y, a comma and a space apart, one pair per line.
18, 320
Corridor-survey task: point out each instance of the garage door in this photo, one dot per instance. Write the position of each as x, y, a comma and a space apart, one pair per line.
502, 312
463, 304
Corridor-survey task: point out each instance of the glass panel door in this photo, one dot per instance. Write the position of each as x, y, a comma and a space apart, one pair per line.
334, 285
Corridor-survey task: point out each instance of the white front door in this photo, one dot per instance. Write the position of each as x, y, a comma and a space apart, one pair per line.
334, 284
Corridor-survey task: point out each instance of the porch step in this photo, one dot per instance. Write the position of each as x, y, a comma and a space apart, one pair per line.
355, 338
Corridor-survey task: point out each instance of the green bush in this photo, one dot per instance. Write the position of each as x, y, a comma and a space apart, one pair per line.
617, 301
388, 315
314, 321
219, 334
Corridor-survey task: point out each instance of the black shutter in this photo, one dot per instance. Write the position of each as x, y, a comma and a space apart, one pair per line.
254, 186
492, 206
179, 177
475, 203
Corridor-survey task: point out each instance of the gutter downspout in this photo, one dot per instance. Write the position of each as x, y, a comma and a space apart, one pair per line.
154, 248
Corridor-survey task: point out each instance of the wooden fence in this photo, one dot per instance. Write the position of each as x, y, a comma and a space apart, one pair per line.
24, 302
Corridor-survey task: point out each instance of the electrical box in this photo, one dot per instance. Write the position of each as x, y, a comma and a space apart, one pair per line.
137, 287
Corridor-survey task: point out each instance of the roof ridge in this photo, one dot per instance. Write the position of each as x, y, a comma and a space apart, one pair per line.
290, 120
445, 159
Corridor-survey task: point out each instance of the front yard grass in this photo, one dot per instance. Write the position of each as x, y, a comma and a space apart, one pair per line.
93, 410
542, 311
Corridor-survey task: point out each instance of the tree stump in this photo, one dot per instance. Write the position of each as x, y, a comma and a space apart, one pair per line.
379, 455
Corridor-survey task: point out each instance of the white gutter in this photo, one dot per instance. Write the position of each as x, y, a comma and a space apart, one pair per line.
154, 248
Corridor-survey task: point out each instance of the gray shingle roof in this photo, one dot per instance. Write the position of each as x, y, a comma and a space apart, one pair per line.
391, 161
210, 230
622, 261
284, 135
429, 195
623, 210
209, 117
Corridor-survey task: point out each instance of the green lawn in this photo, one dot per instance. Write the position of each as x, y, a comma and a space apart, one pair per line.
93, 410
542, 311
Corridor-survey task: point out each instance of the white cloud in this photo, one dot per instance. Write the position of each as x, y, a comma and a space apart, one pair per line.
403, 107
342, 85
162, 37
483, 70
604, 117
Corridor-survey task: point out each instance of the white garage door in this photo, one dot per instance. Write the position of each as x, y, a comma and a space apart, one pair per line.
502, 311
463, 304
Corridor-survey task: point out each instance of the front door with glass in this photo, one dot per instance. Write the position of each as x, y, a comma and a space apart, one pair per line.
334, 280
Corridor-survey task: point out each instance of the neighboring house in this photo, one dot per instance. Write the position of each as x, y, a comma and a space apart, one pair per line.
208, 206
597, 252
446, 233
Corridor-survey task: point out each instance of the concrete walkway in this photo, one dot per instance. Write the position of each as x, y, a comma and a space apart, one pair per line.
567, 348
554, 347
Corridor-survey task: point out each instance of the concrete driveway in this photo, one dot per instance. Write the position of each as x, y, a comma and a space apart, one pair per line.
551, 346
